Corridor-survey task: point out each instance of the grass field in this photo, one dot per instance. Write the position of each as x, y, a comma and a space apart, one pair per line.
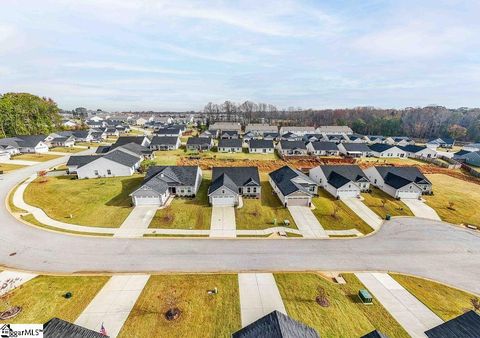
392, 206
186, 213
102, 202
70, 150
43, 298
35, 157
465, 197
6, 167
202, 315
259, 213
345, 317
444, 301
381, 161
169, 157
345, 218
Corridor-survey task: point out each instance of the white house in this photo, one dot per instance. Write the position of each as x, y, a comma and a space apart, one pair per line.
334, 130
387, 151
230, 183
258, 129
292, 187
230, 145
261, 146
321, 148
29, 144
419, 151
354, 149
292, 148
165, 143
400, 182
341, 181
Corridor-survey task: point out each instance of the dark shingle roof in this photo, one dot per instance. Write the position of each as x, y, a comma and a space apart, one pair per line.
255, 144
199, 141
159, 178
122, 157
466, 325
327, 146
128, 139
25, 141
292, 144
236, 143
337, 180
81, 160
134, 148
356, 147
351, 172
230, 132
168, 131
164, 140
102, 149
239, 176
380, 147
276, 325
283, 180
412, 148
375, 334
409, 174
58, 328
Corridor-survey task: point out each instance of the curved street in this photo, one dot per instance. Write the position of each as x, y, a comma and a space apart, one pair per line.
426, 248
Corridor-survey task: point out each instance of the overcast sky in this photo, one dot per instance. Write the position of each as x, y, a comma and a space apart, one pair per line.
178, 55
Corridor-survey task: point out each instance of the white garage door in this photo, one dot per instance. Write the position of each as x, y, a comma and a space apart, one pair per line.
297, 201
139, 200
347, 193
408, 194
223, 200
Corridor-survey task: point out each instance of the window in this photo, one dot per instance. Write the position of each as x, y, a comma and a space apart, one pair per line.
109, 172
96, 172
248, 189
223, 191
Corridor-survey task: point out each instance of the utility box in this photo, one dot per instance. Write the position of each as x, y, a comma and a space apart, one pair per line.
365, 296
388, 217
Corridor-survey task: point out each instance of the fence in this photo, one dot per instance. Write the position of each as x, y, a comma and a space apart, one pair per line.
441, 161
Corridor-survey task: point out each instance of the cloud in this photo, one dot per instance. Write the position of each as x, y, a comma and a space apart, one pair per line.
123, 67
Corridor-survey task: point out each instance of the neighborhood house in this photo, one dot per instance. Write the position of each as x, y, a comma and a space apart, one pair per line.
292, 187
229, 183
341, 181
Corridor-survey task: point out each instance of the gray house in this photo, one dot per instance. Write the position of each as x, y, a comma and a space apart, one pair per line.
292, 187
199, 143
163, 182
354, 149
261, 147
341, 181
230, 145
292, 148
165, 143
229, 183
321, 148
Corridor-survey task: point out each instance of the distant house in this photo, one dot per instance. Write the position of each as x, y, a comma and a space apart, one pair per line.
467, 325
140, 140
356, 138
399, 141
292, 187
472, 147
271, 136
140, 121
69, 124
59, 328
226, 126
63, 141
9, 149
199, 143
229, 134
321, 148
291, 137
354, 149
337, 138
250, 136
298, 130
334, 130
400, 182
26, 144
276, 325
210, 133
230, 145
112, 131
312, 137
229, 183
375, 139
162, 182
341, 181
292, 148
258, 129
172, 132
419, 151
165, 143
468, 157
261, 146
97, 136
442, 142
387, 151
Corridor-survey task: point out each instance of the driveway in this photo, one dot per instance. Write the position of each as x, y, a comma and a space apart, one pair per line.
364, 212
420, 209
137, 221
409, 312
20, 162
307, 223
223, 222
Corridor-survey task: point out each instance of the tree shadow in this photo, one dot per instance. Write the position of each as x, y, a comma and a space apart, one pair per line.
128, 186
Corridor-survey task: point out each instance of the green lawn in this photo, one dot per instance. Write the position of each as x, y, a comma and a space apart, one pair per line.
70, 150
244, 155
344, 219
186, 213
465, 197
35, 157
102, 202
444, 301
345, 317
392, 206
259, 214
42, 298
202, 315
6, 167
169, 157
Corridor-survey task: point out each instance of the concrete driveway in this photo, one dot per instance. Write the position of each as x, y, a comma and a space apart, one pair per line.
137, 221
307, 223
364, 212
223, 222
420, 209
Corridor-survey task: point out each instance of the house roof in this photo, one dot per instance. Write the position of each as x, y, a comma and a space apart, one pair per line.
380, 147
168, 131
348, 172
230, 132
466, 325
310, 136
121, 157
461, 153
122, 140
164, 140
336, 137
297, 128
283, 177
412, 148
376, 137
233, 177
225, 126
270, 134
398, 177
276, 325
259, 144
59, 328
442, 140
374, 334
81, 160
102, 149
327, 146
236, 143
199, 141
133, 148
292, 145
334, 129
27, 141
159, 178
356, 147
260, 127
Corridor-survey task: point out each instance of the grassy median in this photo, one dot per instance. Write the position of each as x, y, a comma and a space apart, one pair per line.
382, 204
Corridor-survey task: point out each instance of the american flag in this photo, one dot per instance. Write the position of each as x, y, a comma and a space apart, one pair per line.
103, 332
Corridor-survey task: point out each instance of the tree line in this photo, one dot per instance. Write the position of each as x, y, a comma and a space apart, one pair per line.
424, 123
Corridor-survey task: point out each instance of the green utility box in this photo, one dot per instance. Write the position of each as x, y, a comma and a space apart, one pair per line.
365, 296
387, 217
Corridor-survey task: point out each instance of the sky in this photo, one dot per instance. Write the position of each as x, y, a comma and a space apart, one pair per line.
179, 55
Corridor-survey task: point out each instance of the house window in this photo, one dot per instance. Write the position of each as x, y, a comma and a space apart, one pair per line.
109, 172
248, 189
96, 172
223, 191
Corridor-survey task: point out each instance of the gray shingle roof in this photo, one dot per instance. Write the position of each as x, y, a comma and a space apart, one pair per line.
199, 141
239, 176
374, 334
282, 178
168, 131
236, 143
466, 325
327, 146
259, 144
128, 139
81, 160
23, 141
411, 148
402, 175
276, 325
380, 147
160, 178
59, 328
122, 157
292, 145
350, 172
134, 148
164, 140
357, 147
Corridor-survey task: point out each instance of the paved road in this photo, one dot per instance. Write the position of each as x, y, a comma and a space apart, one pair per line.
421, 247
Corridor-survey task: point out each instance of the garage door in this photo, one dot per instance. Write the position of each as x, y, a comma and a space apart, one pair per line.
347, 193
298, 201
408, 194
140, 200
223, 200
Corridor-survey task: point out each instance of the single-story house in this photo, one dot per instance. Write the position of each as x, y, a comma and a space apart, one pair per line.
144, 141
117, 162
199, 143
209, 133
97, 136
69, 123
468, 157
229, 134
354, 149
471, 147
229, 183
312, 137
161, 182
291, 137
111, 131
442, 142
334, 130
399, 182
230, 145
399, 140
271, 136
221, 126
386, 150
165, 143
466, 325
27, 143
356, 138
419, 151
172, 132
375, 139
298, 130
320, 148
140, 121
292, 148
337, 138
9, 149
292, 187
250, 136
276, 325
341, 181
258, 129
63, 141
261, 146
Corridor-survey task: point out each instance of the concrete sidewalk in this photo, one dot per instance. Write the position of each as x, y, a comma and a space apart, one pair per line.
307, 223
421, 209
112, 305
259, 296
364, 212
223, 223
19, 278
409, 312
137, 222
